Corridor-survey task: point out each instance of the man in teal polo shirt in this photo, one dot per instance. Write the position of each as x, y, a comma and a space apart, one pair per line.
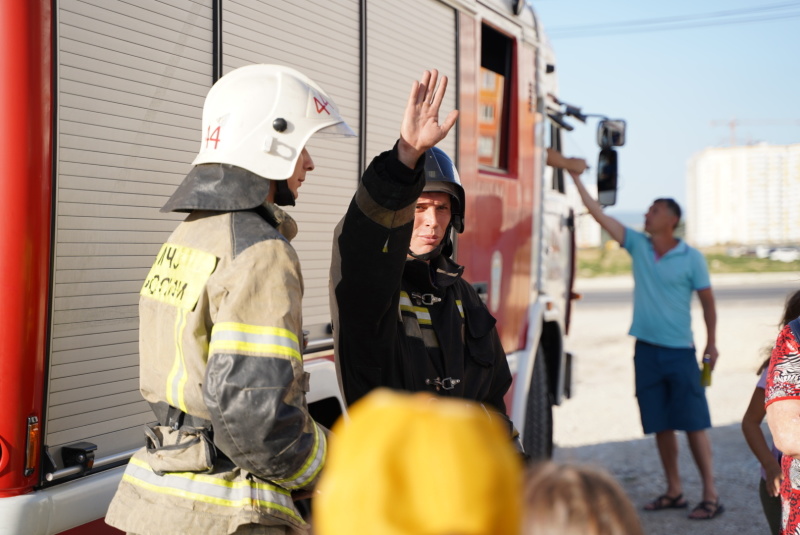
666, 271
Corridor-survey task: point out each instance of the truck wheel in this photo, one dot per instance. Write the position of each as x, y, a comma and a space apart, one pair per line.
538, 439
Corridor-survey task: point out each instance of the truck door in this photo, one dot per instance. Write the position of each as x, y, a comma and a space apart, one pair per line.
558, 234
498, 171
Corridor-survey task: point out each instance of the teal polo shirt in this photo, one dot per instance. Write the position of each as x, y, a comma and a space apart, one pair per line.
662, 292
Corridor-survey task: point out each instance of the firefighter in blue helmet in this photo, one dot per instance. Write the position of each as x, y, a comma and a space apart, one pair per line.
404, 317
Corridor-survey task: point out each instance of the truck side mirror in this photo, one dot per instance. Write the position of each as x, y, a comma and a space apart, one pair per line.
607, 177
611, 133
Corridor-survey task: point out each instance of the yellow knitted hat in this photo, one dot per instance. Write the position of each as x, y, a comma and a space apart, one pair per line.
416, 464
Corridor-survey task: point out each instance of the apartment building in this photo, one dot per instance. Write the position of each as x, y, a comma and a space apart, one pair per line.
747, 195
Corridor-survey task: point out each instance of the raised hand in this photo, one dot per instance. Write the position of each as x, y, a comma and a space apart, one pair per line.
421, 129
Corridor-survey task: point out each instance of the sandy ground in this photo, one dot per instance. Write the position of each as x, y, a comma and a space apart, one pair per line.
600, 424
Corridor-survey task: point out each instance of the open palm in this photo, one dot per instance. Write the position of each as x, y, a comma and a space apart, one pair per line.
421, 128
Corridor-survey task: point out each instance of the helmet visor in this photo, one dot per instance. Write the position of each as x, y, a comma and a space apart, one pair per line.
338, 129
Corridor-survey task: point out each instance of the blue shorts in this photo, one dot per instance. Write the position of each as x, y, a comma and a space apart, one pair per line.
668, 389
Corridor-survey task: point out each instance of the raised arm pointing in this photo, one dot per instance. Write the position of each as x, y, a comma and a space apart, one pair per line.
612, 226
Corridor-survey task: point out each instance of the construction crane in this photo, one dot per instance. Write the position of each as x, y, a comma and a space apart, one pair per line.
733, 123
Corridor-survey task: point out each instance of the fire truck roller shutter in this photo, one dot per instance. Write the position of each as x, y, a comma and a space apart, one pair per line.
130, 84
321, 40
426, 33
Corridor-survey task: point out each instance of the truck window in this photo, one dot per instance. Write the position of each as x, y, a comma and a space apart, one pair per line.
495, 98
555, 143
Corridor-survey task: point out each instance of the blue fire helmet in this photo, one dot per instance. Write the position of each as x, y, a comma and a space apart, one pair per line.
441, 176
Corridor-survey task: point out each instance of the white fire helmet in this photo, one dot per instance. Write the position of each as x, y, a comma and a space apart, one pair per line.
260, 117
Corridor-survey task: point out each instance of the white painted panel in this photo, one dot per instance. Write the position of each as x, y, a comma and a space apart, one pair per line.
321, 39
425, 32
131, 81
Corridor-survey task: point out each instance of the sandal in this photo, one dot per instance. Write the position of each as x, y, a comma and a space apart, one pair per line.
711, 510
666, 502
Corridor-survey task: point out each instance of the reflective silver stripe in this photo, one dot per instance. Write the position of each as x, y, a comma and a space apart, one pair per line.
313, 464
422, 314
210, 489
405, 301
460, 307
240, 337
178, 375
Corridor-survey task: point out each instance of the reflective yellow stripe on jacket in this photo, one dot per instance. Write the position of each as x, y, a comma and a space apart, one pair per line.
311, 467
178, 375
422, 314
252, 339
209, 489
260, 341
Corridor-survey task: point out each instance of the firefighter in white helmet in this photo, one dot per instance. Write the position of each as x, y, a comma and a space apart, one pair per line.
220, 335
404, 317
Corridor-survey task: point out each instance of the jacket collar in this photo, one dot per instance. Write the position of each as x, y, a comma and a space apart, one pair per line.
219, 188
283, 222
440, 272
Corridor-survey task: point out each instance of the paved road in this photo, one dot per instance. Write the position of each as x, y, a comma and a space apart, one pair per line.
600, 424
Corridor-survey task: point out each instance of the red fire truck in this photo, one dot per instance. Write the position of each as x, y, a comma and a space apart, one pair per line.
101, 102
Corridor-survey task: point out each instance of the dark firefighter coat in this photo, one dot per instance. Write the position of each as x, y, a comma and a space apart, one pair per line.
400, 323
221, 341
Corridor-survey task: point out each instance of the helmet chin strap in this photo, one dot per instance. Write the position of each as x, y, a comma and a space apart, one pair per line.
433, 253
283, 195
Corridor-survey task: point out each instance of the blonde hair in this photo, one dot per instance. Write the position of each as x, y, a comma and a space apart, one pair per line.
563, 499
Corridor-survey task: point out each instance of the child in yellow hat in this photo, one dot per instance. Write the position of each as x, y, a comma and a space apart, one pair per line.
415, 464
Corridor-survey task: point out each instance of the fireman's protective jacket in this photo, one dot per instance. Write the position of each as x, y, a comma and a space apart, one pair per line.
221, 341
405, 324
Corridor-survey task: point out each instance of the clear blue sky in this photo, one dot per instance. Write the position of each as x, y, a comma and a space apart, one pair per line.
670, 85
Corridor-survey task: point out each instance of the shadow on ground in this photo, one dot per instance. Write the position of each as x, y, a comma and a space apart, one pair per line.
636, 465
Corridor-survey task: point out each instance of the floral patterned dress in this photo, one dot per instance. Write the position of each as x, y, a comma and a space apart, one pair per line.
783, 383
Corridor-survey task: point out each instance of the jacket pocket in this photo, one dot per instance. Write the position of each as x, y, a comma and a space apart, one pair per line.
188, 449
478, 335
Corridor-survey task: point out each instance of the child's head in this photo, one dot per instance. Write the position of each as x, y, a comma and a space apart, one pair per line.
416, 463
562, 499
792, 308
